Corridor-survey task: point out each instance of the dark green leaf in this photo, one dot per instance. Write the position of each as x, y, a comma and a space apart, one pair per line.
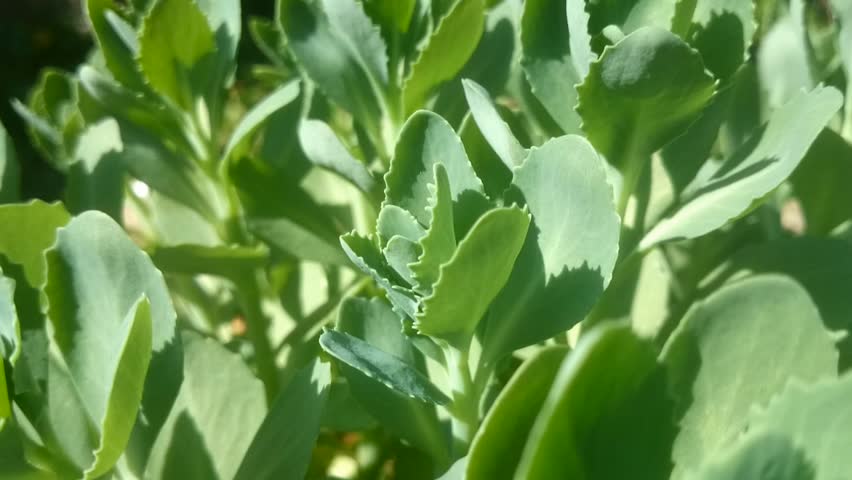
118, 53
9, 169
820, 183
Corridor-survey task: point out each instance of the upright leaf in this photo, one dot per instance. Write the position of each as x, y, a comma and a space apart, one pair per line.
493, 128
439, 243
754, 336
219, 394
819, 183
282, 447
609, 396
259, 114
499, 442
174, 43
117, 51
571, 246
445, 52
9, 169
547, 62
323, 148
640, 94
484, 259
760, 165
768, 456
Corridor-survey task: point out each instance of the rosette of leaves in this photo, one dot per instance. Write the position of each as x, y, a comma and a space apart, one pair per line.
468, 271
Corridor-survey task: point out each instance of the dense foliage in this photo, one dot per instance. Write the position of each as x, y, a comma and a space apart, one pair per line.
456, 239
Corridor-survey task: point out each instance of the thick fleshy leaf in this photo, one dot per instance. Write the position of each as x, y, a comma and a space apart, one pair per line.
499, 442
9, 169
392, 14
259, 114
439, 243
174, 42
282, 447
641, 93
445, 52
493, 127
10, 329
609, 396
495, 175
400, 253
219, 394
364, 253
395, 221
820, 183
817, 419
768, 456
108, 309
479, 267
571, 246
427, 139
96, 178
547, 61
225, 20
753, 335
722, 32
760, 165
414, 421
783, 62
116, 47
381, 366
5, 407
342, 51
323, 148
229, 261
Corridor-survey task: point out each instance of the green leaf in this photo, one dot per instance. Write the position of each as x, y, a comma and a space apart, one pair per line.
294, 239
484, 259
381, 366
174, 42
767, 456
819, 183
395, 221
439, 243
5, 408
400, 253
493, 128
817, 419
282, 447
642, 93
783, 63
445, 52
323, 148
364, 253
495, 175
259, 114
9, 169
412, 420
760, 165
569, 252
219, 394
767, 323
96, 178
10, 329
722, 32
96, 277
113, 45
427, 139
395, 14
609, 396
499, 442
547, 62
342, 51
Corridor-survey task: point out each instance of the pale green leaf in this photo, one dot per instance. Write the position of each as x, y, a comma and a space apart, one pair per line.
322, 147
219, 394
609, 396
760, 165
817, 419
9, 169
547, 62
767, 456
493, 127
118, 54
425, 140
10, 329
439, 243
642, 93
445, 52
364, 253
174, 42
569, 252
414, 421
400, 253
499, 442
735, 350
259, 114
394, 221
381, 366
480, 267
282, 447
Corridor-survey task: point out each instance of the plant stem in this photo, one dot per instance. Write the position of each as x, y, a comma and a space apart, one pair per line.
248, 294
465, 406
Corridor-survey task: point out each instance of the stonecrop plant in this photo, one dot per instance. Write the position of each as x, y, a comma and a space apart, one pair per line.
436, 239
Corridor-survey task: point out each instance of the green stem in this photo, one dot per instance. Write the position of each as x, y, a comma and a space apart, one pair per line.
632, 174
465, 406
249, 296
